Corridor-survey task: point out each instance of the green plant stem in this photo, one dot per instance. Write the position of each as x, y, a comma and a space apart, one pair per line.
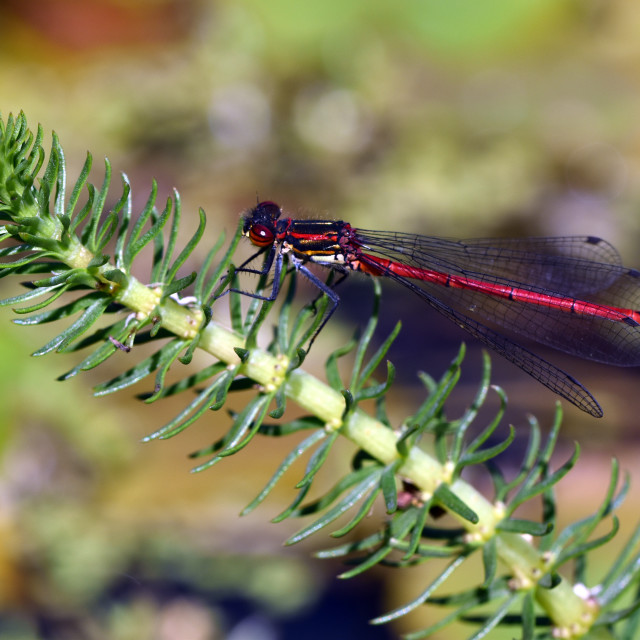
564, 607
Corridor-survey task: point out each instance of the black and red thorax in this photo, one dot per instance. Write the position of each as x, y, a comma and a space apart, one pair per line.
332, 243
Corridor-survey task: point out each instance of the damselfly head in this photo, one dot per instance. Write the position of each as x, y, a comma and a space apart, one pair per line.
269, 209
259, 223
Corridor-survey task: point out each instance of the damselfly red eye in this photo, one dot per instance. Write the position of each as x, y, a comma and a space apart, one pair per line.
261, 235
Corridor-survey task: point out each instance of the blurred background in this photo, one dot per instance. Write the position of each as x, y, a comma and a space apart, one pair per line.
484, 118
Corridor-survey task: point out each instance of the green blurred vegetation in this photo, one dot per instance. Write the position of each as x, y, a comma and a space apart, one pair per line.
458, 118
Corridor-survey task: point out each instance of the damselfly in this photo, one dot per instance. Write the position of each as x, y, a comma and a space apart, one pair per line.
570, 293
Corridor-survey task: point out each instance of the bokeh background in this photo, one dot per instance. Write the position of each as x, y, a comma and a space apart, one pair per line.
459, 118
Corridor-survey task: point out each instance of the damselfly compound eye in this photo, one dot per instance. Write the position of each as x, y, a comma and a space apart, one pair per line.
261, 235
270, 209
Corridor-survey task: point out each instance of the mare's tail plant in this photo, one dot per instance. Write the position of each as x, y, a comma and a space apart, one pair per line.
64, 240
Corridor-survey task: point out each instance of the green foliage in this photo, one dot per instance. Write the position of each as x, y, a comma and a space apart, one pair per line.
64, 243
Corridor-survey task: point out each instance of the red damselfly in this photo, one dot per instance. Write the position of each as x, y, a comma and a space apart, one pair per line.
570, 293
